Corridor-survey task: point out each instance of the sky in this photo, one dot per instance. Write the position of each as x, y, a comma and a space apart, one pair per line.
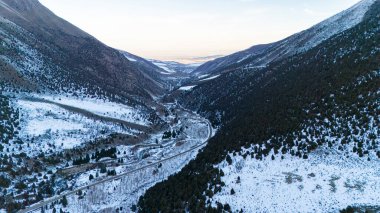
182, 30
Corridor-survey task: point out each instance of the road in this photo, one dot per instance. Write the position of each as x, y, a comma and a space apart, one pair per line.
57, 198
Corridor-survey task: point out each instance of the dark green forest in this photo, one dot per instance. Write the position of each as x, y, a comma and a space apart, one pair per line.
273, 103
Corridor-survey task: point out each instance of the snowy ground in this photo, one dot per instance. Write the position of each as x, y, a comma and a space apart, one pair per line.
169, 156
210, 78
186, 88
195, 134
125, 192
102, 107
46, 127
326, 182
163, 66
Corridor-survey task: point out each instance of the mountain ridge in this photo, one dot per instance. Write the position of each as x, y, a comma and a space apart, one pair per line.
63, 51
297, 121
33, 14
261, 55
316, 104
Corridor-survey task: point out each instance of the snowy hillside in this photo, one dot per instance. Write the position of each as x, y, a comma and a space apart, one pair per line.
327, 182
343, 171
298, 134
171, 74
124, 192
162, 67
33, 58
113, 174
175, 67
102, 108
261, 55
143, 63
335, 25
55, 124
291, 126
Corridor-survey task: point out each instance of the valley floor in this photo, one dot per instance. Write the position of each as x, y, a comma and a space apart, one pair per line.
61, 124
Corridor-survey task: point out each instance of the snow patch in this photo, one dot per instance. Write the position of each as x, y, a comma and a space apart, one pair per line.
163, 66
186, 88
210, 78
130, 59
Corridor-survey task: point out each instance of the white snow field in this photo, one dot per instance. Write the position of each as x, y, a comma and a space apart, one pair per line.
210, 78
143, 165
125, 192
186, 88
131, 59
163, 66
102, 107
326, 182
47, 128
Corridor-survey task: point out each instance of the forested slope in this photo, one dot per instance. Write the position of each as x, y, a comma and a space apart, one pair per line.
337, 79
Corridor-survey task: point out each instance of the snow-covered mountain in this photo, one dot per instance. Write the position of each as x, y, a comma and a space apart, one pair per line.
260, 55
87, 128
43, 52
154, 71
298, 125
163, 67
175, 67
65, 96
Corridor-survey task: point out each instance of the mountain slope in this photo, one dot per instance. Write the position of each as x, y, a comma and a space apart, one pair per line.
219, 64
172, 66
323, 101
261, 55
169, 74
153, 68
64, 96
54, 55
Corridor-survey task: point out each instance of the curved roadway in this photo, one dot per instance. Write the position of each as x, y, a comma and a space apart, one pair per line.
57, 198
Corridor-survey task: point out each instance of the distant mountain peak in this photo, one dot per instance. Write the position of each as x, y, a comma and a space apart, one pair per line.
175, 67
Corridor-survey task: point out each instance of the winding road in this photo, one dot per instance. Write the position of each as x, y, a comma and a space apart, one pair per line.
47, 202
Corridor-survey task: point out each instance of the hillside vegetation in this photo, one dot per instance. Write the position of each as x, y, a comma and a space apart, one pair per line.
330, 91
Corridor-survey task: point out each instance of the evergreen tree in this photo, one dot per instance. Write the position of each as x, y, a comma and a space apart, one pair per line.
64, 201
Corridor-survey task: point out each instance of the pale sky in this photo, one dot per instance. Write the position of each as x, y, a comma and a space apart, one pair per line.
182, 29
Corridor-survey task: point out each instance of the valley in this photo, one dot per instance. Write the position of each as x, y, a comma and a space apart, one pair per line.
125, 149
290, 126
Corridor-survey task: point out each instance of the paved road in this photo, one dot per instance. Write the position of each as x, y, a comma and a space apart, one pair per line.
57, 198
